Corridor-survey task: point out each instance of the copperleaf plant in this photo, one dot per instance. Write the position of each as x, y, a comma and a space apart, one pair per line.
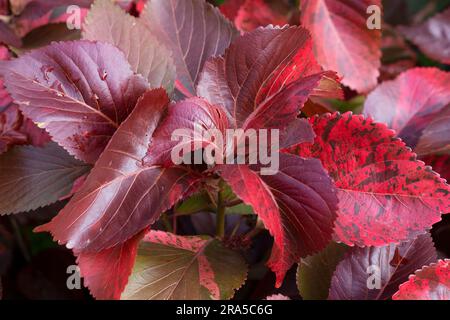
348, 193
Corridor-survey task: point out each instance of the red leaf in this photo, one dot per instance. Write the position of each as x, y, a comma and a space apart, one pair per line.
259, 66
15, 129
256, 13
193, 29
304, 193
8, 37
429, 283
342, 40
385, 194
190, 115
121, 196
5, 98
308, 203
356, 275
37, 13
171, 267
79, 91
432, 36
231, 8
107, 22
106, 272
412, 104
4, 7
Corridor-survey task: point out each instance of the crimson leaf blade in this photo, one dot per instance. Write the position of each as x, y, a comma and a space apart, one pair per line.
342, 40
389, 266
170, 267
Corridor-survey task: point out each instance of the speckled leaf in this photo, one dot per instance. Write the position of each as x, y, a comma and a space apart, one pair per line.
314, 273
121, 196
79, 91
429, 283
107, 22
342, 40
32, 177
385, 194
411, 103
170, 267
194, 30
392, 264
106, 272
432, 36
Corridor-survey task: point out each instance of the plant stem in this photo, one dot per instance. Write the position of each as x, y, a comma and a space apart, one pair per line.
220, 218
19, 237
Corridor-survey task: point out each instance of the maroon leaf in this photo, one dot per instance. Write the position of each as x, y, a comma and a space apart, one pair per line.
306, 199
432, 36
194, 30
440, 164
121, 196
278, 111
375, 273
429, 283
34, 177
170, 267
413, 105
255, 68
255, 13
189, 115
109, 23
79, 91
308, 203
106, 272
4, 10
15, 129
342, 40
36, 13
385, 194
436, 136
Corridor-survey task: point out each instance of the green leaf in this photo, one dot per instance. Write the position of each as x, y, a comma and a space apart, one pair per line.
32, 177
170, 267
314, 273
